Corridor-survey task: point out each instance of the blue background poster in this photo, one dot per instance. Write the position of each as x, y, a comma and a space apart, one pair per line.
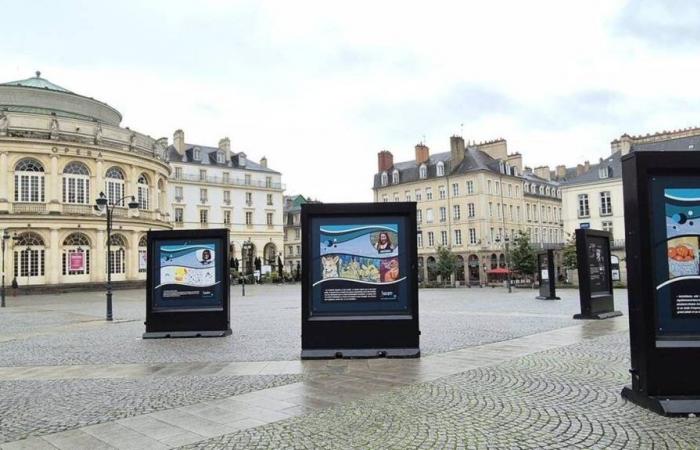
675, 202
188, 274
359, 266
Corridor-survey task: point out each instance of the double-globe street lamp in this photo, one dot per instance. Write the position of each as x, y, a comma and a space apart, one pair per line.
102, 204
5, 237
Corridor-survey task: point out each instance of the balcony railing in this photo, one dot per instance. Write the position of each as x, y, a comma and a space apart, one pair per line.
229, 181
77, 210
29, 208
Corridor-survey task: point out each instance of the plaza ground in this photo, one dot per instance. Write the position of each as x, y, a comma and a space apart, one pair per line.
498, 370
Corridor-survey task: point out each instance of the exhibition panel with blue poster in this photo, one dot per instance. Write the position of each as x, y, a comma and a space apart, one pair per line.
360, 287
187, 284
662, 206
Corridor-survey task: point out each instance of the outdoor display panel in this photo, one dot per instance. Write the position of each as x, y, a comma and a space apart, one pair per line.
187, 284
662, 201
359, 290
594, 275
545, 265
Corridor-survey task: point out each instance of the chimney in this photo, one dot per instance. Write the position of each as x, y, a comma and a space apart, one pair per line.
516, 160
543, 172
385, 160
225, 144
497, 149
263, 162
456, 150
623, 145
586, 166
579, 169
179, 142
561, 172
422, 153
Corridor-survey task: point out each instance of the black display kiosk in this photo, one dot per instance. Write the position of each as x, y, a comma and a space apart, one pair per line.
547, 276
662, 201
594, 275
187, 284
359, 285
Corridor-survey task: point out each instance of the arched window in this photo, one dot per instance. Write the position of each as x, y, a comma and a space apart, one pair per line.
541, 190
76, 183
547, 190
385, 179
423, 172
76, 254
117, 254
440, 169
144, 192
29, 181
270, 254
29, 255
494, 261
395, 177
143, 253
502, 261
114, 186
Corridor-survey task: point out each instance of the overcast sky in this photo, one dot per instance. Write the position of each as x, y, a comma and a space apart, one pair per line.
320, 87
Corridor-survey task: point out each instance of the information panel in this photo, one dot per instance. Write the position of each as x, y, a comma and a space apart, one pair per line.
359, 291
187, 286
545, 265
594, 275
599, 265
675, 240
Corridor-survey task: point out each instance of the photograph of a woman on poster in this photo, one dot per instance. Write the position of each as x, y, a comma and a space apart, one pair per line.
383, 244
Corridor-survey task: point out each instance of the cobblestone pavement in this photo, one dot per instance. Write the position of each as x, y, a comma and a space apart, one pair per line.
563, 398
40, 407
68, 329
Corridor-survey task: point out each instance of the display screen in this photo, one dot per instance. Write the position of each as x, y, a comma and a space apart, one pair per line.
188, 274
675, 242
359, 266
598, 265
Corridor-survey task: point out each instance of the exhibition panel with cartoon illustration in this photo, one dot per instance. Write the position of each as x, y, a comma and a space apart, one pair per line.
359, 265
677, 272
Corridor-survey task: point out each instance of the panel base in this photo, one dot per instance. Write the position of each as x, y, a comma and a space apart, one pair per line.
360, 353
598, 316
185, 334
666, 406
539, 297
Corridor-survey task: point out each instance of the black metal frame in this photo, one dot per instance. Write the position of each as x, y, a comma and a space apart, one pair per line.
548, 290
362, 336
598, 306
188, 323
664, 380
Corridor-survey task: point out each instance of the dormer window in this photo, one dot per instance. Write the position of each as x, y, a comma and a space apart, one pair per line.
220, 157
385, 179
501, 167
547, 190
440, 169
541, 190
195, 154
604, 172
241, 159
423, 172
395, 177
527, 187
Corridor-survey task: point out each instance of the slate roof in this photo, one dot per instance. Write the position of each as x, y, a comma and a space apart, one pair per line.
207, 157
669, 145
612, 163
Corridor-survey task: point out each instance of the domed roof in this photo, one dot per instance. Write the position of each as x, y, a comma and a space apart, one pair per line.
37, 82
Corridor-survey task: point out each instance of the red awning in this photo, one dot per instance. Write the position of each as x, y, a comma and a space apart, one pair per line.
500, 270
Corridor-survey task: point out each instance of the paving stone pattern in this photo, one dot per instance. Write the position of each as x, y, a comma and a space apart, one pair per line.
42, 407
563, 398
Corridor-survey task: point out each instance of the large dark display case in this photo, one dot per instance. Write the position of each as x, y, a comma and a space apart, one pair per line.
595, 285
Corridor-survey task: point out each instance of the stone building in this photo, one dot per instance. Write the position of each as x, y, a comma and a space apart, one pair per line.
215, 187
58, 151
292, 230
472, 199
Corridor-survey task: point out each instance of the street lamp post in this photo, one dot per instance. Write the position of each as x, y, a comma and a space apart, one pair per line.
247, 245
5, 237
506, 241
102, 204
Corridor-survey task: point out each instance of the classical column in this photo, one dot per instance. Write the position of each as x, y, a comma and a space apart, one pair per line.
100, 257
54, 187
4, 183
53, 262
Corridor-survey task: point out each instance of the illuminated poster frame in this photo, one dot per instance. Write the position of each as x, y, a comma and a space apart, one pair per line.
187, 284
360, 284
660, 190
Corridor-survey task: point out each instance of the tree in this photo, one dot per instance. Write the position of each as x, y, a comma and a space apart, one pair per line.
446, 262
569, 253
522, 256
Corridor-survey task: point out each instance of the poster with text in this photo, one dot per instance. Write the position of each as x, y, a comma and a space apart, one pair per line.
675, 242
188, 275
598, 264
360, 267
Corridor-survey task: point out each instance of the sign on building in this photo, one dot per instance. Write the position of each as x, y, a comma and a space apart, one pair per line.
662, 204
187, 287
360, 287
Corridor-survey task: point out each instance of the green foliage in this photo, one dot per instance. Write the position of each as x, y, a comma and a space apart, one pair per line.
446, 262
569, 253
522, 255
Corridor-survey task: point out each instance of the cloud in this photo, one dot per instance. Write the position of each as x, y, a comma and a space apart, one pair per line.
671, 25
